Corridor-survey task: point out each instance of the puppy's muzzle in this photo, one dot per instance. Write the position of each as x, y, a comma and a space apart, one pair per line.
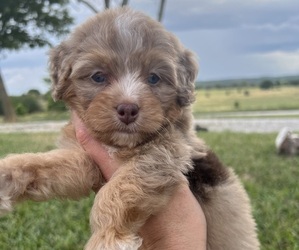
127, 112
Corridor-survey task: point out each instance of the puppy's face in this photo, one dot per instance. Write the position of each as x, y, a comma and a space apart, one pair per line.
125, 75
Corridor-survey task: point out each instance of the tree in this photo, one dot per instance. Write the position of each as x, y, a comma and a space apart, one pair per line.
266, 84
34, 92
29, 23
7, 108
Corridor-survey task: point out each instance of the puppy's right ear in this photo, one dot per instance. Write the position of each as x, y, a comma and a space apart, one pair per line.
60, 70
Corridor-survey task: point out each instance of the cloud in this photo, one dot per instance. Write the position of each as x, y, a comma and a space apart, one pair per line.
227, 14
229, 54
32, 57
291, 23
19, 80
24, 70
278, 62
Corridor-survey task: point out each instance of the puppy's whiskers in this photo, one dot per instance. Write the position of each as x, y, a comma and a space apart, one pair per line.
160, 132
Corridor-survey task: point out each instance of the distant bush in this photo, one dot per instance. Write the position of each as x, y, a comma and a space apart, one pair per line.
26, 104
236, 105
246, 93
21, 109
267, 84
294, 83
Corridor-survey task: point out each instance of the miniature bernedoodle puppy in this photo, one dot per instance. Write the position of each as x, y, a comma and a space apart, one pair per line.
132, 83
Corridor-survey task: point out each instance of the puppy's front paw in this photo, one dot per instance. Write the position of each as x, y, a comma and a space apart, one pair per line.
13, 184
6, 193
99, 242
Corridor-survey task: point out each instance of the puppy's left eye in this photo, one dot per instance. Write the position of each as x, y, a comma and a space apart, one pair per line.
99, 77
153, 79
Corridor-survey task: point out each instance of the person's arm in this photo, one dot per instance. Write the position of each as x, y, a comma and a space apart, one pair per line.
180, 225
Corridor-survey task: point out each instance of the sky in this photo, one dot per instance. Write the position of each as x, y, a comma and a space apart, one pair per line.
232, 39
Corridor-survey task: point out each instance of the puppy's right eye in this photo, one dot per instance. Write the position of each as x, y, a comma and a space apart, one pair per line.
153, 79
99, 77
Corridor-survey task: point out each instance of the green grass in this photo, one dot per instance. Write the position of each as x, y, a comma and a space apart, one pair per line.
45, 116
42, 116
271, 181
26, 142
223, 100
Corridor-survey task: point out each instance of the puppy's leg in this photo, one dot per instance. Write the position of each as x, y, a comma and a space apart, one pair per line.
61, 173
124, 204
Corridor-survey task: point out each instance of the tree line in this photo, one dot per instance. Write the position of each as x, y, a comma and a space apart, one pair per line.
34, 102
262, 84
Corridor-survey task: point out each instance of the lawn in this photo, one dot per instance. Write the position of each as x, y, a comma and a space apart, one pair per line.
246, 99
42, 116
271, 181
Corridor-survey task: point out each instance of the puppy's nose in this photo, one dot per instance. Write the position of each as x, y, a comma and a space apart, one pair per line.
127, 112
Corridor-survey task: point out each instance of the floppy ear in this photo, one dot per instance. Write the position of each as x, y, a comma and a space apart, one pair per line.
60, 70
188, 70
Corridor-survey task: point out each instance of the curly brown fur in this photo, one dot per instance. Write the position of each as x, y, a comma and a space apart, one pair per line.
106, 71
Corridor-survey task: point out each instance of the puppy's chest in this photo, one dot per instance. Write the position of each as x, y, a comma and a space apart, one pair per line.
166, 156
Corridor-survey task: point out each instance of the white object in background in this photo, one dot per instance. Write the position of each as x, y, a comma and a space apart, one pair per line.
286, 142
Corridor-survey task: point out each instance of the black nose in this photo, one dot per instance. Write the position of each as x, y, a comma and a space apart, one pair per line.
127, 112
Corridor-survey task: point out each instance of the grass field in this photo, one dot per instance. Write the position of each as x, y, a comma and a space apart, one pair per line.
233, 99
271, 181
42, 116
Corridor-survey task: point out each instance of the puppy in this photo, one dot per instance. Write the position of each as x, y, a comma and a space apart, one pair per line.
132, 83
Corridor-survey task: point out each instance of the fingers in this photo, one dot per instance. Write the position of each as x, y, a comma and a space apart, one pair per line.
97, 151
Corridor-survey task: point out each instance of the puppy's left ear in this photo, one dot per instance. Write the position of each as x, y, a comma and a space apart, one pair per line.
187, 72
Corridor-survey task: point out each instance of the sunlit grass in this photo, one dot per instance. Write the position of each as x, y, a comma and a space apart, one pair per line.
42, 116
232, 99
26, 142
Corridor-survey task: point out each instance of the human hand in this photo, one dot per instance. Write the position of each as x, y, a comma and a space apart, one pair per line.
180, 225
94, 149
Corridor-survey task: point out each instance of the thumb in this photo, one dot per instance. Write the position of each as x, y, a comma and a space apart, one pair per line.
82, 135
97, 151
